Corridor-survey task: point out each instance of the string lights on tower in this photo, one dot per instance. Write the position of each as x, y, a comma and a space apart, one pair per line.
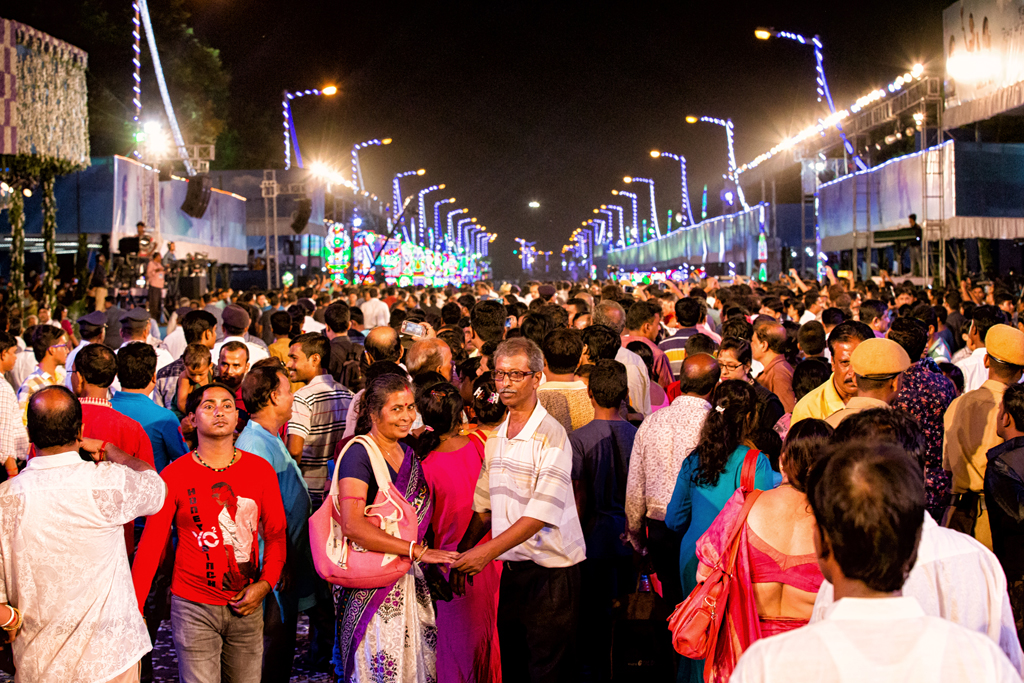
685, 214
634, 227
654, 208
137, 74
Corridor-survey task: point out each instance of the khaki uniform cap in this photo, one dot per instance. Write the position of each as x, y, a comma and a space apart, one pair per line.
879, 358
1006, 344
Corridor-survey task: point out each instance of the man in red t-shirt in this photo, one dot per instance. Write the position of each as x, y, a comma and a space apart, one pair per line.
91, 375
221, 500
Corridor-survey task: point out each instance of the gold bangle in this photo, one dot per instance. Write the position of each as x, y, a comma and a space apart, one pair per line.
424, 552
17, 622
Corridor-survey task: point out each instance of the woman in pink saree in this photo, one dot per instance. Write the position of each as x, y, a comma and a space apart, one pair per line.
777, 575
467, 626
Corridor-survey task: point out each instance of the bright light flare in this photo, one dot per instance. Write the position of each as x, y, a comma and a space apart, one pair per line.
534, 204
655, 154
386, 141
691, 119
763, 34
421, 171
627, 180
329, 90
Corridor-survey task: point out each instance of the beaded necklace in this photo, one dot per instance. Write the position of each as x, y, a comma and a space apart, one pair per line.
202, 462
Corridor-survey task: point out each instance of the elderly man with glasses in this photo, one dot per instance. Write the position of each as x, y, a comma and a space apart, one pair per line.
524, 497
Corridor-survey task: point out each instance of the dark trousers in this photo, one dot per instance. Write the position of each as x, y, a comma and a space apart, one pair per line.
156, 296
602, 580
663, 549
278, 642
537, 621
158, 602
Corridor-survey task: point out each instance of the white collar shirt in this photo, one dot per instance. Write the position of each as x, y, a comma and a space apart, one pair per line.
175, 342
807, 317
882, 640
66, 569
69, 364
375, 313
661, 444
256, 352
13, 435
529, 475
637, 379
973, 367
957, 578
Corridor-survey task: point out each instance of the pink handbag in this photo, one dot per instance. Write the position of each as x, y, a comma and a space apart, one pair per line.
340, 561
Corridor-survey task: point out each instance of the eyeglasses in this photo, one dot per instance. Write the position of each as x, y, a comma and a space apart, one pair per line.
60, 346
730, 366
513, 376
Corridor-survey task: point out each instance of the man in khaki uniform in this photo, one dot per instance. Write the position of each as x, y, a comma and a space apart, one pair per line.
970, 431
878, 365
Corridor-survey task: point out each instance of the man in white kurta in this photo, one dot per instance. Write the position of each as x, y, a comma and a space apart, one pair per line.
957, 578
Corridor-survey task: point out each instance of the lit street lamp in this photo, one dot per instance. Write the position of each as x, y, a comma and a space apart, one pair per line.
435, 234
289, 123
729, 134
634, 229
654, 208
611, 235
460, 242
357, 171
396, 189
421, 224
450, 239
685, 213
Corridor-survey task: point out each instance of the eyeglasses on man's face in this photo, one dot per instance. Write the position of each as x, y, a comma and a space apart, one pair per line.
515, 376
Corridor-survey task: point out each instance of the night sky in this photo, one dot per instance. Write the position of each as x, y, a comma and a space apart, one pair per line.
508, 103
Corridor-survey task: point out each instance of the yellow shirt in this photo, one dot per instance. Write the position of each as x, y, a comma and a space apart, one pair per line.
970, 431
857, 404
819, 403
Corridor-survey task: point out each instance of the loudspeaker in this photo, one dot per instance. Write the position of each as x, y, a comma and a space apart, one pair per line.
303, 210
193, 287
198, 196
128, 245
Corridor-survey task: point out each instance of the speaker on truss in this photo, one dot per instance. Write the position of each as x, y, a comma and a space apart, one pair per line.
198, 196
303, 210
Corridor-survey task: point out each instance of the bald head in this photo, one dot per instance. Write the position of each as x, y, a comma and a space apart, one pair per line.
699, 375
382, 343
769, 338
54, 420
429, 355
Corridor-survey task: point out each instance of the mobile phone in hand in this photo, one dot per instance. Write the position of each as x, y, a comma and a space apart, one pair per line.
413, 329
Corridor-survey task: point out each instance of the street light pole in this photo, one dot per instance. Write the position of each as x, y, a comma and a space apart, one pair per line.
654, 208
461, 243
685, 212
730, 128
290, 139
450, 236
357, 171
634, 228
396, 189
422, 222
436, 235
611, 235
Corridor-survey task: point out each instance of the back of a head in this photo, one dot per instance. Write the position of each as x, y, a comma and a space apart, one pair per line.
136, 365
487, 403
195, 323
97, 364
608, 383
450, 313
54, 418
983, 318
699, 375
280, 323
424, 355
688, 312
639, 314
911, 334
562, 350
884, 425
535, 327
811, 338
644, 352
558, 316
383, 343
700, 343
611, 314
738, 327
336, 316
872, 310
868, 501
726, 426
773, 334
440, 408
601, 342
810, 374
258, 386
831, 317
806, 443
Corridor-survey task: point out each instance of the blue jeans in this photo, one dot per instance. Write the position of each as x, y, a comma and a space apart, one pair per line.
212, 641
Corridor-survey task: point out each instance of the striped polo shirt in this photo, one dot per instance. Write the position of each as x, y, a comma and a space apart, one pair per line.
318, 416
530, 475
675, 347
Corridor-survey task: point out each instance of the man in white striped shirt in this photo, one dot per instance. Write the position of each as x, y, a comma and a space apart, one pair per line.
524, 497
319, 410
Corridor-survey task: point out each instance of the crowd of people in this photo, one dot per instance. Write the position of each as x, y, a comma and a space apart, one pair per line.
546, 452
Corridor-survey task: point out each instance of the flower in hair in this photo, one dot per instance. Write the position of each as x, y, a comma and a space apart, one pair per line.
478, 393
493, 398
720, 409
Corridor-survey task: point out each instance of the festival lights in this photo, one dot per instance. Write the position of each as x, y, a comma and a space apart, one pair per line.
729, 140
654, 208
398, 203
290, 137
437, 235
534, 205
422, 215
632, 232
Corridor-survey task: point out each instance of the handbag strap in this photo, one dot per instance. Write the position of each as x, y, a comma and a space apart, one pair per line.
377, 463
475, 436
733, 546
749, 470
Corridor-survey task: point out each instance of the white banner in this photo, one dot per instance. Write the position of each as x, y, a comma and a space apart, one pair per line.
983, 42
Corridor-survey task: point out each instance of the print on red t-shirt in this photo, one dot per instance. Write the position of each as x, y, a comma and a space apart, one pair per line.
219, 517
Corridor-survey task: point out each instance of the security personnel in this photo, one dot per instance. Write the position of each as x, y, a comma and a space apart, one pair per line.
970, 431
878, 365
